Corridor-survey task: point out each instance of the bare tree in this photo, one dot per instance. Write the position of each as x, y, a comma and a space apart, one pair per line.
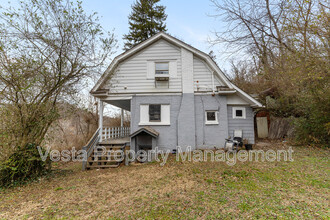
288, 42
46, 48
271, 30
254, 26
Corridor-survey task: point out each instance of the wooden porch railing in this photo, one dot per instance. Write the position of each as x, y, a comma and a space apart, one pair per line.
115, 132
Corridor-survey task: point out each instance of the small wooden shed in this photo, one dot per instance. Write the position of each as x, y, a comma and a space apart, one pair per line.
144, 139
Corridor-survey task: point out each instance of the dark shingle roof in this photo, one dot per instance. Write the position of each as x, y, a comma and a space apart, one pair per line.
147, 130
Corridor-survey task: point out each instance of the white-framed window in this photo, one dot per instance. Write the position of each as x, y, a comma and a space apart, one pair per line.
166, 68
211, 117
154, 114
239, 112
161, 68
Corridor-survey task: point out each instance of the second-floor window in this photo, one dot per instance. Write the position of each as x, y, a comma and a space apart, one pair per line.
162, 68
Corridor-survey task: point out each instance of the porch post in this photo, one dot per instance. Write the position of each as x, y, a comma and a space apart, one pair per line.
101, 119
122, 122
122, 118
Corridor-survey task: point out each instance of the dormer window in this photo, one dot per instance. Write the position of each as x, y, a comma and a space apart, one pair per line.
162, 68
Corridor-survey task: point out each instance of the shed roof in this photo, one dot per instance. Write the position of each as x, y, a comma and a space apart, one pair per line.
152, 132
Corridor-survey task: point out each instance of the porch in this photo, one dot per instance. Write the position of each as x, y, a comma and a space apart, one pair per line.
115, 136
112, 138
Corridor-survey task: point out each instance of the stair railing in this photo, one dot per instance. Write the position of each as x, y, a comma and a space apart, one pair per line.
90, 146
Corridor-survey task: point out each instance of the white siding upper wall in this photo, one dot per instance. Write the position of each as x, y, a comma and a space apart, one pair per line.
203, 76
236, 100
132, 73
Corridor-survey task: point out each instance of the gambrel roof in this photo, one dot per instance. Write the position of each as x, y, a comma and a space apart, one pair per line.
208, 60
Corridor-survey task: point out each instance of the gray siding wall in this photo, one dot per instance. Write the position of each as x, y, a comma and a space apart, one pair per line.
246, 125
168, 138
188, 125
210, 136
186, 122
187, 119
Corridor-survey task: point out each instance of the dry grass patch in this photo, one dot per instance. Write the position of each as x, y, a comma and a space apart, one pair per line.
201, 190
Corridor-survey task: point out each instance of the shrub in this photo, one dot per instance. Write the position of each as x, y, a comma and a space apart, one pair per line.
315, 132
23, 164
314, 127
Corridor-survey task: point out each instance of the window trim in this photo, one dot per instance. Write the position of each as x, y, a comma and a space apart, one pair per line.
243, 113
215, 122
165, 114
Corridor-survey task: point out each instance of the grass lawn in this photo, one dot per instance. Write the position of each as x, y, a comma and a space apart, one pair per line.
188, 190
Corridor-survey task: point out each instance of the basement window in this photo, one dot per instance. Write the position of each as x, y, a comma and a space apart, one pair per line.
239, 113
154, 113
211, 117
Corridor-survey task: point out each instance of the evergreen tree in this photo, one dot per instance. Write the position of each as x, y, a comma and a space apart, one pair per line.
146, 20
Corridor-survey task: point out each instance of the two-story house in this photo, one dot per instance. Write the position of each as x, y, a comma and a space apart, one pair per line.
177, 96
